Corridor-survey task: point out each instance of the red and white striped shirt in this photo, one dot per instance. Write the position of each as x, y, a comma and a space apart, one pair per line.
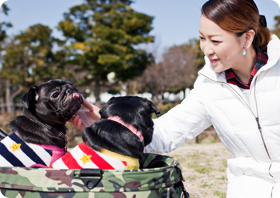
82, 156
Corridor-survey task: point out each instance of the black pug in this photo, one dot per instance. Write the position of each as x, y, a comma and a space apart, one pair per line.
117, 140
39, 135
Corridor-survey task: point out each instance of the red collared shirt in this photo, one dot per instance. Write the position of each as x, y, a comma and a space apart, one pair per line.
232, 78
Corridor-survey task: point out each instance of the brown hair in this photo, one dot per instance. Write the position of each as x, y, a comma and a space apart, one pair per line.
238, 16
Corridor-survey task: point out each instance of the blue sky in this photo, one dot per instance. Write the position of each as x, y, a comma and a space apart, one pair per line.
176, 21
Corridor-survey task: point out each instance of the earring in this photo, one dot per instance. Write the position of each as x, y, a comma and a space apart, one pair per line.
244, 52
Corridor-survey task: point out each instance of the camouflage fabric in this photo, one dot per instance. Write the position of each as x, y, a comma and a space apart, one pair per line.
159, 176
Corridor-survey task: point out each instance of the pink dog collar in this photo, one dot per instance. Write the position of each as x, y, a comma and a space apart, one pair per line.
129, 126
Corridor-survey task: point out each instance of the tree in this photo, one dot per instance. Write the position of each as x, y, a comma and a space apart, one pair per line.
277, 26
30, 59
200, 62
4, 26
104, 35
174, 73
3, 36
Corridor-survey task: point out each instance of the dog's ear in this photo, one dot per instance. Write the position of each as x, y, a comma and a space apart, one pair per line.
30, 96
154, 109
105, 107
111, 100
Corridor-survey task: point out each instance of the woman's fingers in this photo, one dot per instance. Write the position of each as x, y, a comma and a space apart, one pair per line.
87, 105
80, 125
75, 119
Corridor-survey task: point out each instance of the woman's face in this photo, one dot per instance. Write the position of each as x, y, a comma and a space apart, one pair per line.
223, 48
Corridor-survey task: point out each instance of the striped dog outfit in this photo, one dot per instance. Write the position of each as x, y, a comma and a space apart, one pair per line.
82, 156
16, 152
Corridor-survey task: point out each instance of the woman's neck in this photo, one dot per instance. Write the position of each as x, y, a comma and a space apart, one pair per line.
246, 65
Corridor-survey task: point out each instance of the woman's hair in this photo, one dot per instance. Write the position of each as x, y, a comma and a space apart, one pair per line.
238, 16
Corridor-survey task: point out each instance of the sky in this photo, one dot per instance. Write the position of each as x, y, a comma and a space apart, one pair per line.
175, 22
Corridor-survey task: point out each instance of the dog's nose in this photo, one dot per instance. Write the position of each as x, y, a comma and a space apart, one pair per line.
69, 91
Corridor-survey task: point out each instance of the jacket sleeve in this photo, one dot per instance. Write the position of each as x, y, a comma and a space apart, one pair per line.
179, 125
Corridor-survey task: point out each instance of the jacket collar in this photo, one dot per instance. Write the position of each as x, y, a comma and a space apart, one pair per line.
273, 53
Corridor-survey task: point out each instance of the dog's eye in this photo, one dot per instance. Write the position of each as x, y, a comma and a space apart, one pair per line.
55, 95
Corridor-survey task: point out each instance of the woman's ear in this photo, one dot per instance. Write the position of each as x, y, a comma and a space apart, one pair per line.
249, 38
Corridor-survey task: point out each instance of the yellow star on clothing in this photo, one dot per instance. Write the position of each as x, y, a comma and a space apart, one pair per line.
15, 147
85, 158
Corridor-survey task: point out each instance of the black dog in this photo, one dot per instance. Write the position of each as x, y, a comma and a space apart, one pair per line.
125, 128
117, 138
46, 109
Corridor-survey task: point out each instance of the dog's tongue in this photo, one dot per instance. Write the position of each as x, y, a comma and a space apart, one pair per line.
76, 96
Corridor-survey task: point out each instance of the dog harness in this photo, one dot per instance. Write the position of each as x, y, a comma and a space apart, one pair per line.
58, 133
82, 156
16, 152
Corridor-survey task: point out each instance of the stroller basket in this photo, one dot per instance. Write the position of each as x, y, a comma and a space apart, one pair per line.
159, 176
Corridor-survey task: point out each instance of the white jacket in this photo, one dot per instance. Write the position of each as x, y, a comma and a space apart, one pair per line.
249, 130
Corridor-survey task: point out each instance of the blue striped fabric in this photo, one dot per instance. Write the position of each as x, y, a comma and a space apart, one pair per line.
9, 156
15, 152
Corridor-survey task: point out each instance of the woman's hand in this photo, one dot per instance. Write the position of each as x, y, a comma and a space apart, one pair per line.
85, 118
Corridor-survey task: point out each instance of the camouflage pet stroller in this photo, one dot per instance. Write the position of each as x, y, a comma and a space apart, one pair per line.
159, 176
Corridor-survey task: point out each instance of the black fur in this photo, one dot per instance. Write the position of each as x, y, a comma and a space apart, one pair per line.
117, 138
40, 104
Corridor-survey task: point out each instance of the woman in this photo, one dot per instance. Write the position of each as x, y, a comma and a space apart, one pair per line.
238, 92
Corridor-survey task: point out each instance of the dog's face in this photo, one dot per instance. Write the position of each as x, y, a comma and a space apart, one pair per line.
113, 136
55, 101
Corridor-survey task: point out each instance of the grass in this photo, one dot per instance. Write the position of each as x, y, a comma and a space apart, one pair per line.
206, 185
204, 169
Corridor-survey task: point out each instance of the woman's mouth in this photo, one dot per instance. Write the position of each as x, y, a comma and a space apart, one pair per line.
213, 61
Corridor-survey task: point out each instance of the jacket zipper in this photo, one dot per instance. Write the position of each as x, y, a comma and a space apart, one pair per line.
256, 117
260, 129
258, 121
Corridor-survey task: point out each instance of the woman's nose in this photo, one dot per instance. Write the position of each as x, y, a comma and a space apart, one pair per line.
207, 49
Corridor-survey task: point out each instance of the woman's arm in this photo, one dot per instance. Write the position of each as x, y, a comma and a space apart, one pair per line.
179, 125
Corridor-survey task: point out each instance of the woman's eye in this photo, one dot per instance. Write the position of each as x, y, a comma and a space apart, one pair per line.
201, 38
55, 95
215, 42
